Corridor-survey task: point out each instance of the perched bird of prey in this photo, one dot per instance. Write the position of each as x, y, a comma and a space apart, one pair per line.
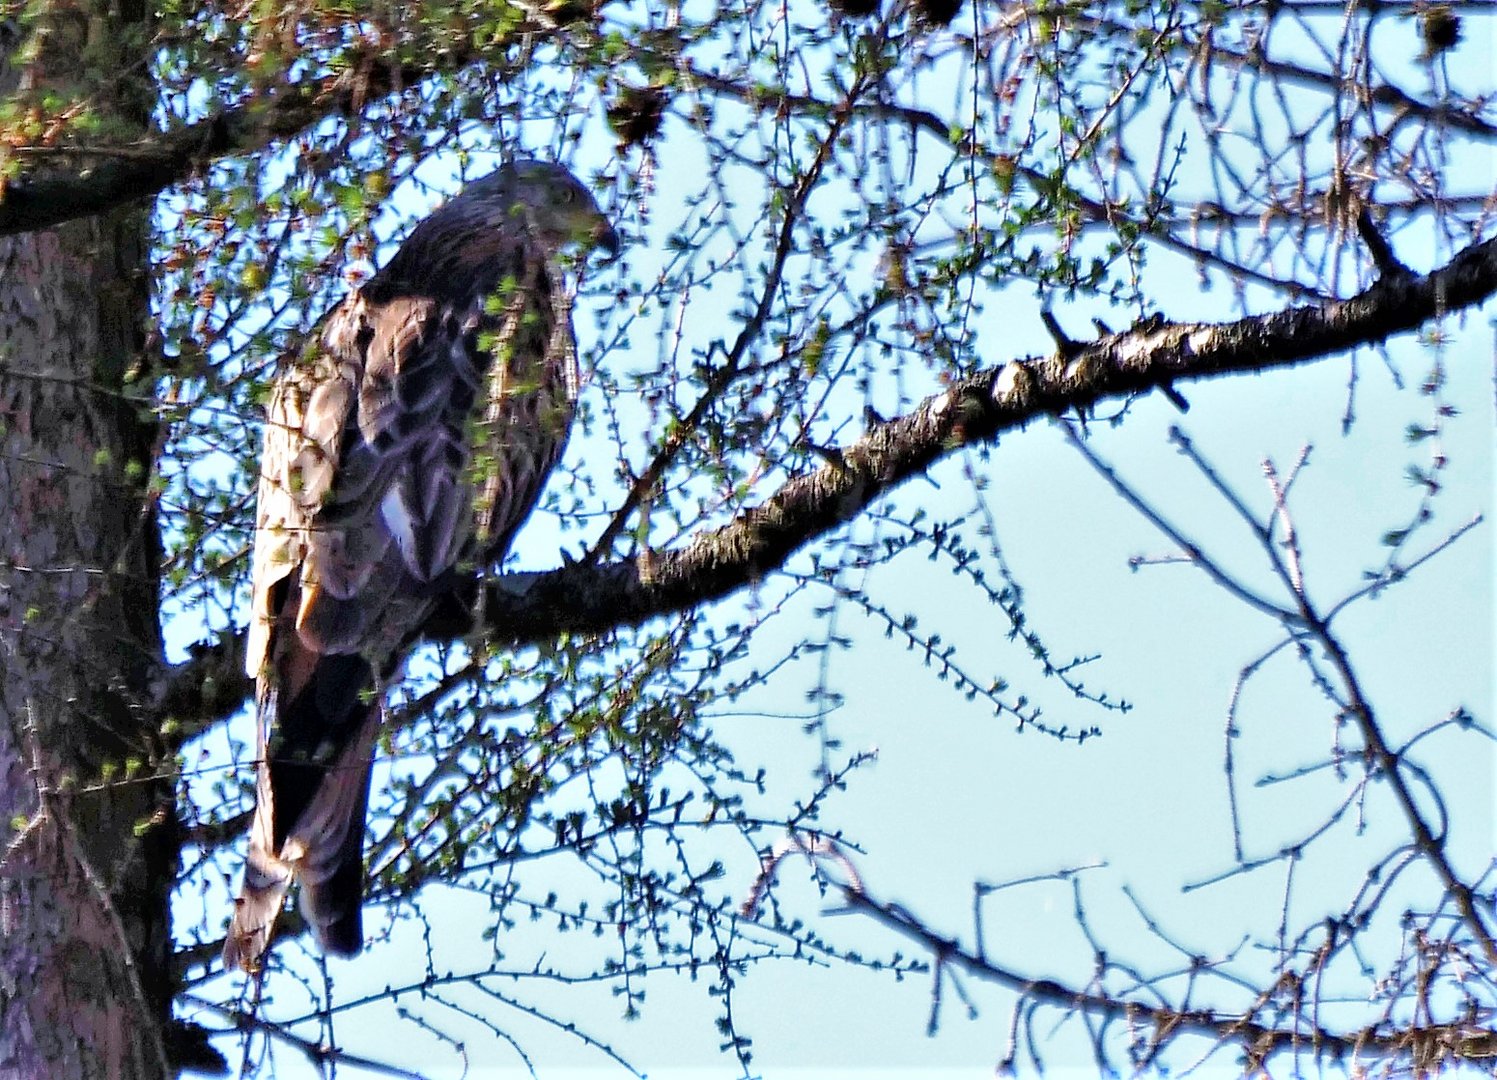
409, 440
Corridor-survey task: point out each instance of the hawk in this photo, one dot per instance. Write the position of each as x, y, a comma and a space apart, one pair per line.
408, 441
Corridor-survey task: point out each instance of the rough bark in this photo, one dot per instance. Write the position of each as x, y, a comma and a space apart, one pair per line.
87, 826
83, 898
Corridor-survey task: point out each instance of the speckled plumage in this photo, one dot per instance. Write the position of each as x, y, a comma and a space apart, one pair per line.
409, 439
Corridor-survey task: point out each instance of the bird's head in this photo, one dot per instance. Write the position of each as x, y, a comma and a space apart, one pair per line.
477, 233
556, 208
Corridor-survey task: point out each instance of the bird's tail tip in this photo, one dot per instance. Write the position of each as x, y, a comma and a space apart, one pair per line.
333, 910
340, 932
255, 911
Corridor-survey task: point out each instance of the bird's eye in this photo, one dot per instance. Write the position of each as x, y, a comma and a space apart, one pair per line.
568, 195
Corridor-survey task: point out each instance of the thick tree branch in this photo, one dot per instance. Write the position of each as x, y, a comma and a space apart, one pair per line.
120, 175
529, 607
209, 686
117, 175
589, 598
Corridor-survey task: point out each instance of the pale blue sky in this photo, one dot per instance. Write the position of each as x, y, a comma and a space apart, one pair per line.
956, 796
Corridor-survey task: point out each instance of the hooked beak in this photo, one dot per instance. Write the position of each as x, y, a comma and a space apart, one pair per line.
606, 238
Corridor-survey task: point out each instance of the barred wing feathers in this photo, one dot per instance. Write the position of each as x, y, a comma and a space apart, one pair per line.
398, 447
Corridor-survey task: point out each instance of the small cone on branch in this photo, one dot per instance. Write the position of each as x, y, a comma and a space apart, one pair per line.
1440, 28
636, 114
938, 12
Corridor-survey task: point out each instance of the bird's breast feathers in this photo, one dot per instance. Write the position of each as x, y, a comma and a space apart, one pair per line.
376, 439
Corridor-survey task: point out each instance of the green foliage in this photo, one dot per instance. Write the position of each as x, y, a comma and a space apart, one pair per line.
831, 218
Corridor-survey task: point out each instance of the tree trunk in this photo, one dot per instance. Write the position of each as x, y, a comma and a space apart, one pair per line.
88, 837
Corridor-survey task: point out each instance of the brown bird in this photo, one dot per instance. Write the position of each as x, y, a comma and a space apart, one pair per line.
409, 439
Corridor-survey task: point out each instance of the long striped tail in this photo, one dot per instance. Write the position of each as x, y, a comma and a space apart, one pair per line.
311, 798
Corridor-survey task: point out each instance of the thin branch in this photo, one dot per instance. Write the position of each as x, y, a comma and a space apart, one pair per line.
1468, 1041
1192, 551
722, 378
1390, 767
316, 1053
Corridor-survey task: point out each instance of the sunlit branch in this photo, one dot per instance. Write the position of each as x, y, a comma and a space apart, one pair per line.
530, 607
977, 409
